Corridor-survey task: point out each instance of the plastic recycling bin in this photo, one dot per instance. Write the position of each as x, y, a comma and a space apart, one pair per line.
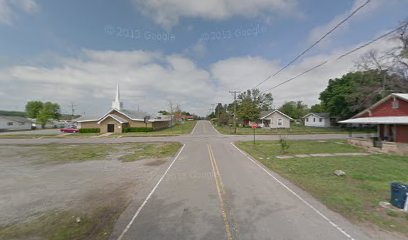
398, 194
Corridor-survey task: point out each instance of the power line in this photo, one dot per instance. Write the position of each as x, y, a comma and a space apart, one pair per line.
235, 109
338, 58
314, 44
372, 41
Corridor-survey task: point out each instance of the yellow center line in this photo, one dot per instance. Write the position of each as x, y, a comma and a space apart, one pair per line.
220, 191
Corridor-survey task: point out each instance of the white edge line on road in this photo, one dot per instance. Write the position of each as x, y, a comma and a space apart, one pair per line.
296, 195
214, 128
192, 132
149, 196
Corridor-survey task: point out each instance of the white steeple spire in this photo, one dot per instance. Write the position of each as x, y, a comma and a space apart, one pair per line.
117, 104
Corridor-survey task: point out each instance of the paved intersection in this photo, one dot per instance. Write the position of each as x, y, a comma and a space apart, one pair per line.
213, 191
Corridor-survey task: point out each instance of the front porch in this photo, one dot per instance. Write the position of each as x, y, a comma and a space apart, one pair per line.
375, 144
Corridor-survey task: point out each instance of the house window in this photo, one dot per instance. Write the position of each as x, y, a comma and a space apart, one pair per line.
10, 124
395, 104
320, 119
280, 122
314, 119
307, 119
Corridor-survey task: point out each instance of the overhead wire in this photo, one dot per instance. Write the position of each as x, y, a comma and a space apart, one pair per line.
338, 58
315, 43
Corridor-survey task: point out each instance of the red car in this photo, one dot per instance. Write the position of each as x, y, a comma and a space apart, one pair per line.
69, 130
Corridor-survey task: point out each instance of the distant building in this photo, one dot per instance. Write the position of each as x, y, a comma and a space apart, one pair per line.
275, 119
390, 115
11, 123
319, 120
116, 119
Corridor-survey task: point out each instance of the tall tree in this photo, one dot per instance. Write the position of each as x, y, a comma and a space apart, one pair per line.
317, 108
32, 108
263, 101
295, 110
251, 103
48, 111
352, 93
248, 110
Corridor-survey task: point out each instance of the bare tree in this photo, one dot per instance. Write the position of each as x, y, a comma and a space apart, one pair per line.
392, 65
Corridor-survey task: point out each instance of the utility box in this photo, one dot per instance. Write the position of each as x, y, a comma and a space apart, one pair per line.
398, 194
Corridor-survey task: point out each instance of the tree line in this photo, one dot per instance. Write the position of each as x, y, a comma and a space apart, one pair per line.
377, 75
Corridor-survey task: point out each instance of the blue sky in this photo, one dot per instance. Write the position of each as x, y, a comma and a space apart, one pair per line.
76, 51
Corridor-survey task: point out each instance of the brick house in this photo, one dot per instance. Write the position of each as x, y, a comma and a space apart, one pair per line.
390, 115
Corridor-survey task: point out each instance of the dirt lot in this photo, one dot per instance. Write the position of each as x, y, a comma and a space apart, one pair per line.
40, 185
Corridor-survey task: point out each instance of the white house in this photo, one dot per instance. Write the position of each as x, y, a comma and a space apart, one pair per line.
275, 119
317, 120
8, 123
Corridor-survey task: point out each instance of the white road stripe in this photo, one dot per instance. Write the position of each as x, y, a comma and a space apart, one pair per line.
192, 132
148, 196
215, 128
296, 195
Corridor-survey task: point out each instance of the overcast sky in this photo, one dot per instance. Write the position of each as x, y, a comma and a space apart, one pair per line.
189, 52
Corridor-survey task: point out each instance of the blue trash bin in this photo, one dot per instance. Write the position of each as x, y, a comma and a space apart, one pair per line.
398, 194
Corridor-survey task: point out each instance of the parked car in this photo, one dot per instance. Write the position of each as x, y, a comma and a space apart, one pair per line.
69, 129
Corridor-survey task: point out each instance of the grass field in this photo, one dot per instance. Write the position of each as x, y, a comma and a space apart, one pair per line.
179, 129
60, 153
151, 150
294, 129
63, 225
356, 195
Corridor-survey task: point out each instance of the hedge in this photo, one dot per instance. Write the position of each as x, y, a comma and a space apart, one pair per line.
89, 130
138, 129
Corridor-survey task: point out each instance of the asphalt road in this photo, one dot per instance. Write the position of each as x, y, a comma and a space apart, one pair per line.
213, 191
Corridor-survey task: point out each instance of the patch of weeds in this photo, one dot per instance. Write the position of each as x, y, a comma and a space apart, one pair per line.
60, 153
284, 144
64, 225
392, 213
151, 151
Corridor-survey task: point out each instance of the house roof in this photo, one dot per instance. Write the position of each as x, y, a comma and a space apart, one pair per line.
114, 116
16, 119
86, 118
134, 115
403, 96
378, 120
322, 115
272, 112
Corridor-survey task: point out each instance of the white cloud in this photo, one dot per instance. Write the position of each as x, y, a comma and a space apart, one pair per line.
9, 9
245, 73
147, 79
167, 13
150, 79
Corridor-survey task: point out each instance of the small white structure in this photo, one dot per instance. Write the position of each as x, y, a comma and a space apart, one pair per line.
11, 123
275, 119
317, 120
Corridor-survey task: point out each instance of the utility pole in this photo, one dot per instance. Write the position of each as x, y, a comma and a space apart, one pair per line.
72, 110
235, 110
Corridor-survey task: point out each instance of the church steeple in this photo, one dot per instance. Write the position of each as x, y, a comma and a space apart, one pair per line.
117, 104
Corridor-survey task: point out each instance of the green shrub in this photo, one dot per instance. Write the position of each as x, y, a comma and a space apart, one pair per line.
138, 129
284, 144
89, 130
